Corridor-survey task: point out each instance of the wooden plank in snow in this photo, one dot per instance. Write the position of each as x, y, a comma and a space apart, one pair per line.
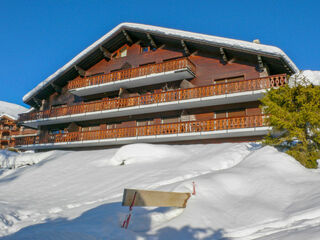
155, 198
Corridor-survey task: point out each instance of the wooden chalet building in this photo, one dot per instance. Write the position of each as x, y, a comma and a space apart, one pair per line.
141, 83
9, 128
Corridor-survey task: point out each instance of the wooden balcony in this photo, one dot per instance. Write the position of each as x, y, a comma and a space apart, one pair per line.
215, 128
222, 93
150, 74
24, 133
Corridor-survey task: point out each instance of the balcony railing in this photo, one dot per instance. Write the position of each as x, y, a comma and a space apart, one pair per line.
132, 73
160, 129
169, 96
24, 132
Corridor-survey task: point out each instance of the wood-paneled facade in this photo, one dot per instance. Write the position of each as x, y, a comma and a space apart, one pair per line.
10, 131
150, 89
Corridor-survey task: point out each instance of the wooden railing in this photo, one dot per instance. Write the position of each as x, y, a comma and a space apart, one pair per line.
175, 95
24, 132
132, 73
160, 129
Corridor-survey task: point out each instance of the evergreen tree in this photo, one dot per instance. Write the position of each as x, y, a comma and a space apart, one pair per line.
294, 113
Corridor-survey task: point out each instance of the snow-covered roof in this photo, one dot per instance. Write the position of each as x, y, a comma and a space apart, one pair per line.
173, 33
310, 76
11, 110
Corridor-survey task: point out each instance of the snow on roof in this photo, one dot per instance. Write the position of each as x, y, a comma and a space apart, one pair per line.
11, 110
309, 75
201, 38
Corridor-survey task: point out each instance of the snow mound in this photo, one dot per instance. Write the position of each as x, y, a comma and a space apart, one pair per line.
11, 160
243, 191
310, 76
11, 110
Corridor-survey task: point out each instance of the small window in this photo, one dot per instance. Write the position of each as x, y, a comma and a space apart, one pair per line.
145, 49
121, 52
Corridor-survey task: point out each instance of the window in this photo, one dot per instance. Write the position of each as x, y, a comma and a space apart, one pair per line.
144, 48
121, 52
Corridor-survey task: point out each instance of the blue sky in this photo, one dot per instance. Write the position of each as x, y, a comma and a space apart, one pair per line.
38, 37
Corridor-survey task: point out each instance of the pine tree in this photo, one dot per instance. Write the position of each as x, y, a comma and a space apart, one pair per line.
294, 114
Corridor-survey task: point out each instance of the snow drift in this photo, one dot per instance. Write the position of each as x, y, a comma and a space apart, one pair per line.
243, 192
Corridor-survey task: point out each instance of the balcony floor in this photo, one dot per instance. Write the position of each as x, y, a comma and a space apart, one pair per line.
230, 133
150, 79
152, 108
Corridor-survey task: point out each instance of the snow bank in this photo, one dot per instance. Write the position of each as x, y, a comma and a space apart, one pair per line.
305, 75
9, 159
11, 110
243, 192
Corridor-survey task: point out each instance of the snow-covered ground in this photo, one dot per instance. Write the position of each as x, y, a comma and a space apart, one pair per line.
11, 109
243, 191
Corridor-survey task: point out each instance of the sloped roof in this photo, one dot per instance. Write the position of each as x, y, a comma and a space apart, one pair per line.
245, 46
11, 110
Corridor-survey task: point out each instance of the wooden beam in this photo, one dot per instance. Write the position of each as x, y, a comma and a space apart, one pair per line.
224, 55
152, 42
57, 88
161, 46
81, 72
194, 53
127, 36
260, 62
105, 52
37, 101
185, 48
232, 60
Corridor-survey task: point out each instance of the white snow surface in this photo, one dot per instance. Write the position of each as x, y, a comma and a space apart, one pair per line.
11, 110
308, 75
191, 36
243, 191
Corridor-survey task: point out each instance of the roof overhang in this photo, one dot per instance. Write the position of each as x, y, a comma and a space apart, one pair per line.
115, 39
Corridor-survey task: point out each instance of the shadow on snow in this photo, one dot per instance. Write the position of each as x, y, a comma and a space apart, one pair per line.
104, 222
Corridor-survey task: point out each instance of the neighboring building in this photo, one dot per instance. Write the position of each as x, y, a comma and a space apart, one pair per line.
141, 83
9, 130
